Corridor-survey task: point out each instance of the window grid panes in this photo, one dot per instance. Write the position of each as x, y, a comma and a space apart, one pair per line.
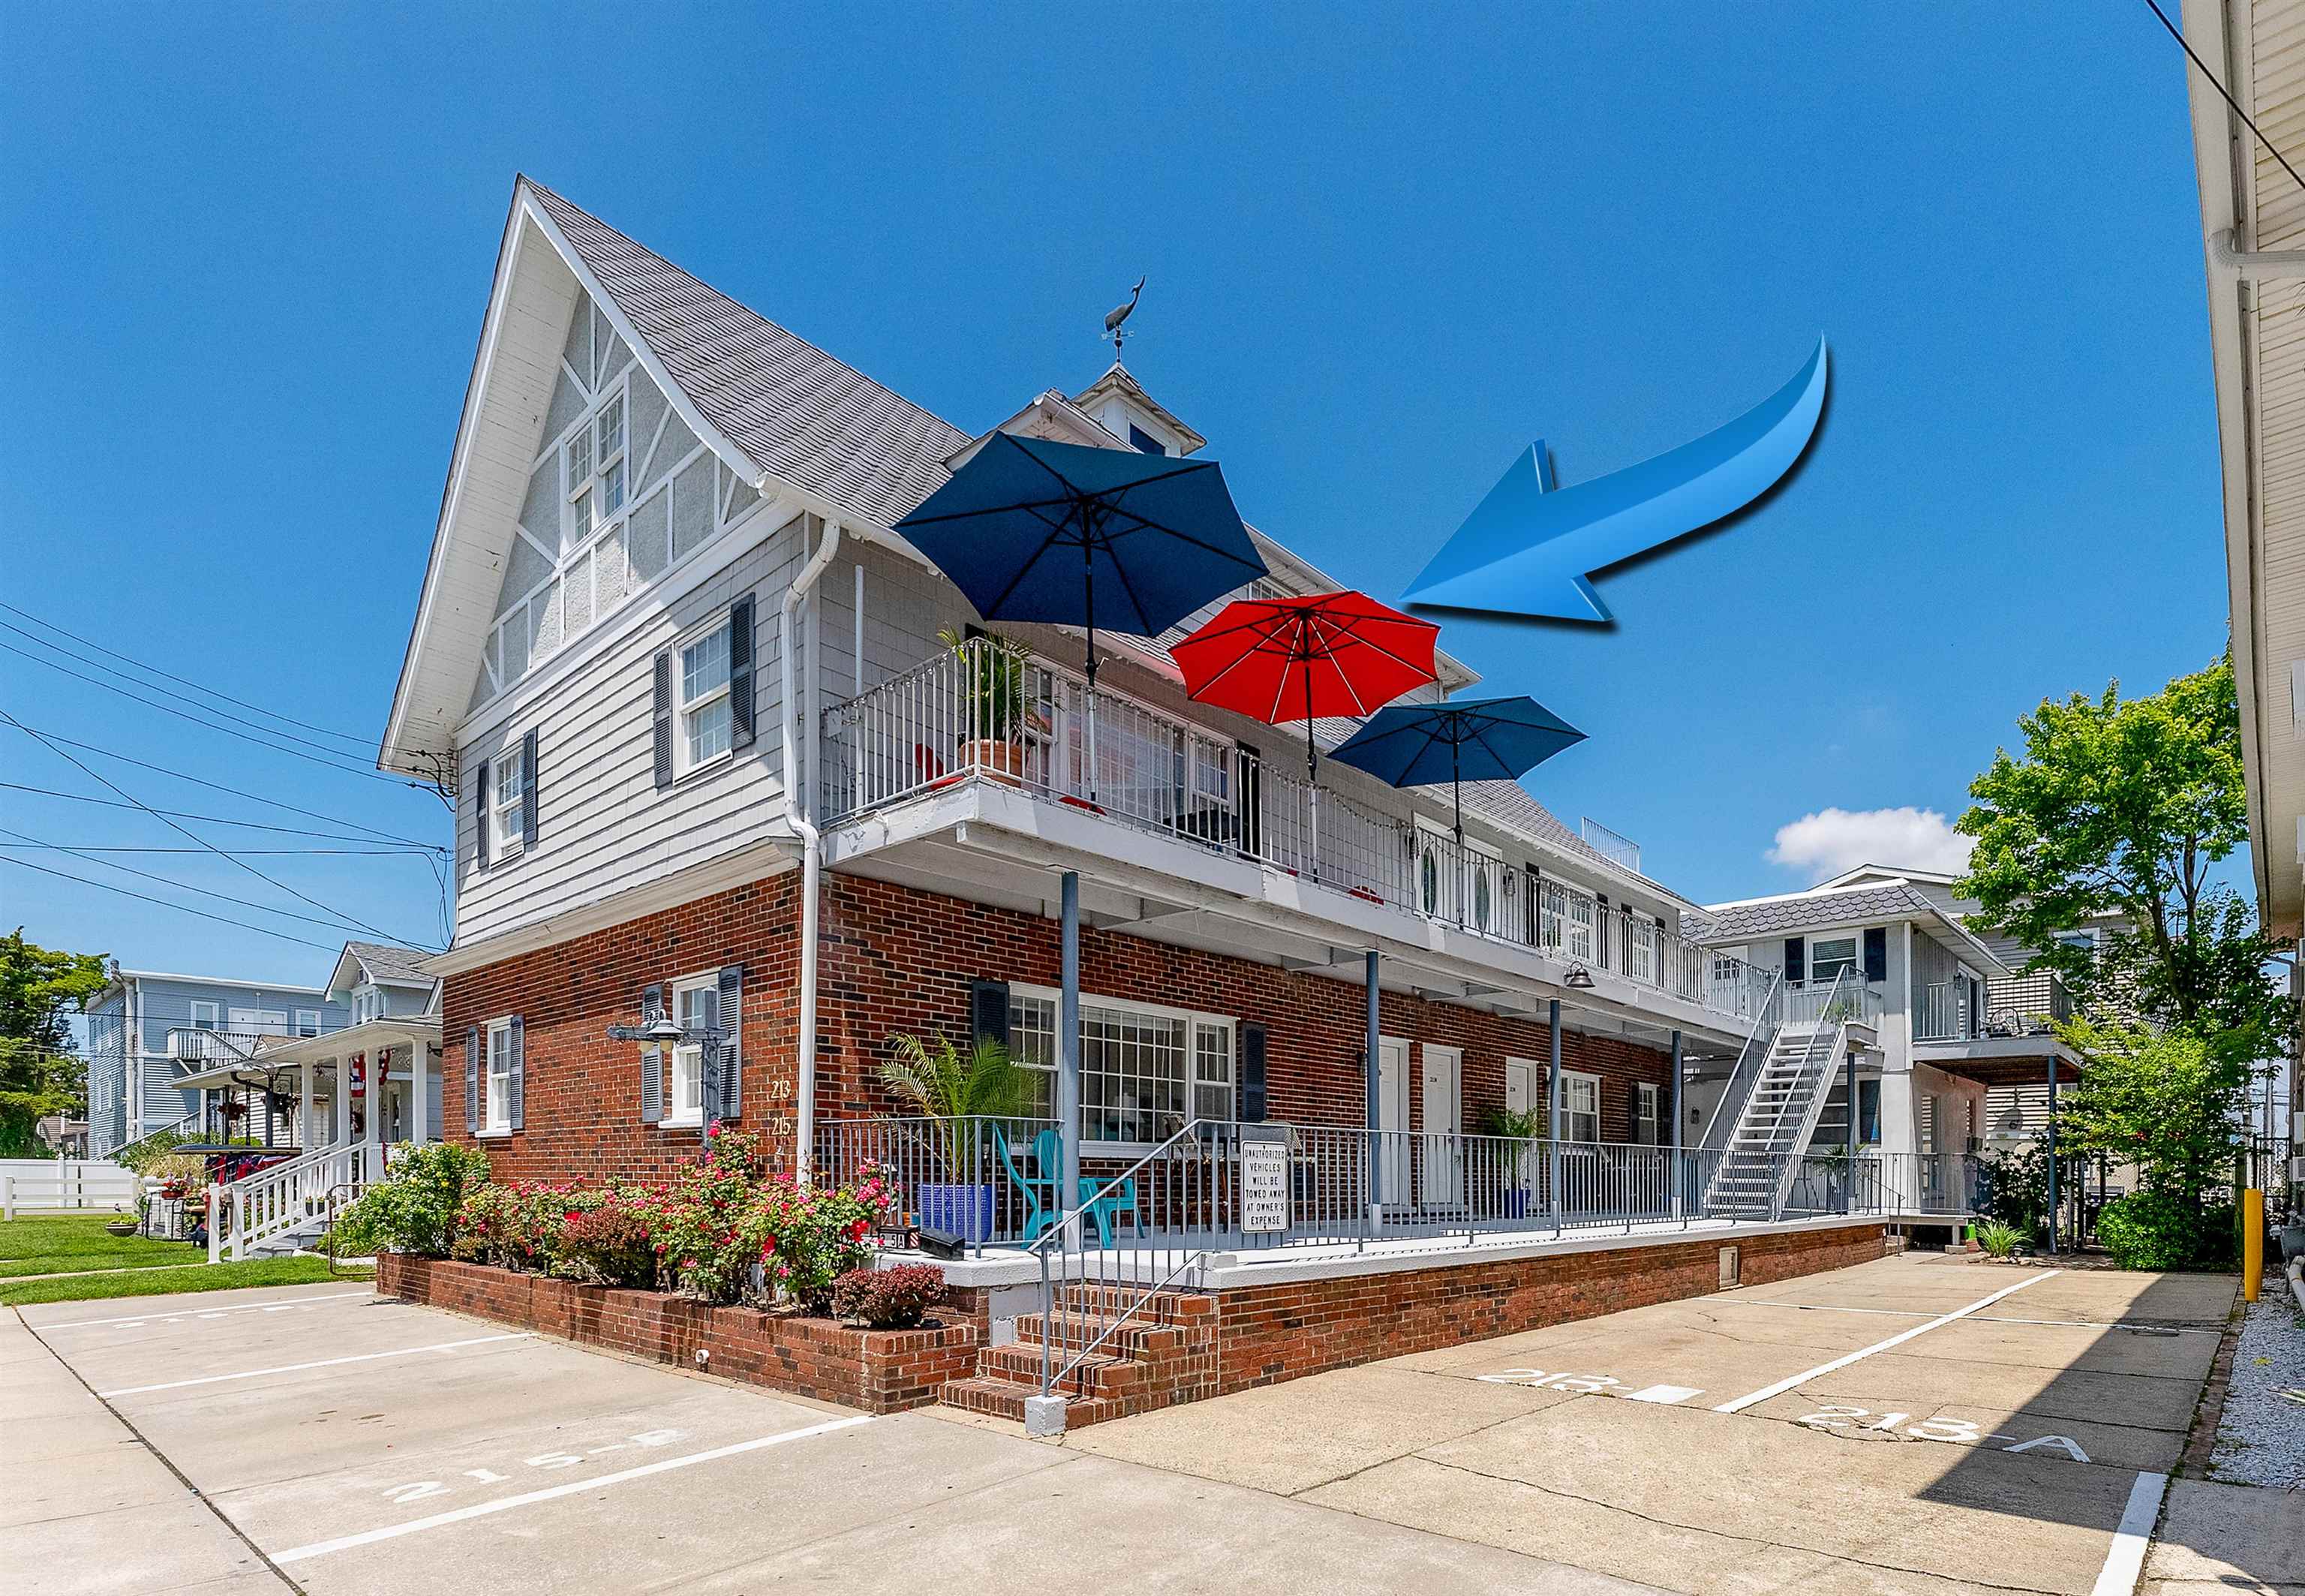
499, 1089
1580, 1107
1133, 1080
1828, 956
704, 716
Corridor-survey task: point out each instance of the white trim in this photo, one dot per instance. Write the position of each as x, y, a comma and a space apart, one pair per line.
683, 767
492, 1124
692, 1117
1591, 1080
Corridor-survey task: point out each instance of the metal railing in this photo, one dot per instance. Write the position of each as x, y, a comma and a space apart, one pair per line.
982, 1177
1944, 1011
199, 1046
985, 712
2026, 1005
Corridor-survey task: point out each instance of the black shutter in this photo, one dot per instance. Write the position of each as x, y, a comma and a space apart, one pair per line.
481, 832
1877, 954
1254, 1103
740, 672
528, 792
472, 1079
516, 1088
1796, 951
731, 1008
651, 1060
664, 720
988, 1011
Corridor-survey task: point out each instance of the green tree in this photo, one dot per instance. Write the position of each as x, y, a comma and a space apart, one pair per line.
39, 1074
2126, 806
2168, 1101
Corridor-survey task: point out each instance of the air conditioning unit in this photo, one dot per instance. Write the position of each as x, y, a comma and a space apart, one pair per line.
2297, 1168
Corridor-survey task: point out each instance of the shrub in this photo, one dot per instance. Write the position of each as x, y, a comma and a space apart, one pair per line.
894, 1299
611, 1243
1998, 1240
142, 1155
2156, 1229
416, 1209
809, 1238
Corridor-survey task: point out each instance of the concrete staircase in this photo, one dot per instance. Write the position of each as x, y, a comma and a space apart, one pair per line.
1163, 1353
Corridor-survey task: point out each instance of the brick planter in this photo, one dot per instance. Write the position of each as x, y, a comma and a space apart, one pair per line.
882, 1371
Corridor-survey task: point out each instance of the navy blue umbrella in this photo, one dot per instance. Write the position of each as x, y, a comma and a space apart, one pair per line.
1070, 535
1416, 745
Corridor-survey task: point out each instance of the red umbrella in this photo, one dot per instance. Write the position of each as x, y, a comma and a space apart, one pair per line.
1300, 659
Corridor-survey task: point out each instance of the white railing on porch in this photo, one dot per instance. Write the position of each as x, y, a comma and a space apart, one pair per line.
287, 1196
956, 718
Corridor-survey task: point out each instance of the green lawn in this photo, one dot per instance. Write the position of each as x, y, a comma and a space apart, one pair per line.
59, 1243
160, 1282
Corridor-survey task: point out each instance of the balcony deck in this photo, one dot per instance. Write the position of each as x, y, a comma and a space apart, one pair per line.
1193, 838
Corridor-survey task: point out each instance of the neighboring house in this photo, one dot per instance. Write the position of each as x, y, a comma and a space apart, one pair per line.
2015, 1004
611, 653
151, 1037
1935, 1044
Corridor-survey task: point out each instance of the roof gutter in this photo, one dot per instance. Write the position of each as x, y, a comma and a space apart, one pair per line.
2255, 266
811, 847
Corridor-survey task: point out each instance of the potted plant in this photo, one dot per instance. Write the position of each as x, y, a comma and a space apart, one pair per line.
1515, 1124
993, 672
954, 1087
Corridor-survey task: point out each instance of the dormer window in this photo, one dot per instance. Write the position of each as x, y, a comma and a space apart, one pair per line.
1143, 442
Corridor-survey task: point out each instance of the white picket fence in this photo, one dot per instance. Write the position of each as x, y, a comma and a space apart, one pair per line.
64, 1185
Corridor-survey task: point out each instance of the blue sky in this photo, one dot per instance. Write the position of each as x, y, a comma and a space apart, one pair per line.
1386, 250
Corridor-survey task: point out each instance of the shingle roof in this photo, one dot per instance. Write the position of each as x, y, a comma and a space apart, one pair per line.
384, 962
1732, 924
794, 409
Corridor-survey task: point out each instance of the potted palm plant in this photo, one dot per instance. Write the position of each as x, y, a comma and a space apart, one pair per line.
993, 682
957, 1089
1523, 1126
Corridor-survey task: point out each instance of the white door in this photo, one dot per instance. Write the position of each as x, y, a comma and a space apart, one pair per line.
1392, 1117
259, 1021
1521, 1078
1444, 1103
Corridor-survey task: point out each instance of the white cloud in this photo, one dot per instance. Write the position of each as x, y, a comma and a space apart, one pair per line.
1829, 841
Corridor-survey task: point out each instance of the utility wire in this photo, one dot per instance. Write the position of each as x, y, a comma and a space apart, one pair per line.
165, 903
362, 743
197, 781
272, 741
17, 786
245, 853
195, 835
180, 885
2178, 34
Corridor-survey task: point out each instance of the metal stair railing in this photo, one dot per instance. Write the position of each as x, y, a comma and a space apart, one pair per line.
1811, 1085
1756, 1154
1752, 1063
1185, 1204
285, 1197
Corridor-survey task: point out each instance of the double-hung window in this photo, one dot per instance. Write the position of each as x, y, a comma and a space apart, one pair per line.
206, 1015
704, 731
696, 1006
1145, 1070
506, 803
593, 471
498, 1100
308, 1022
1829, 956
1580, 1107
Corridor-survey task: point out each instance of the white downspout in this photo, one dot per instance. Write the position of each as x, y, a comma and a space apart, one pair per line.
811, 852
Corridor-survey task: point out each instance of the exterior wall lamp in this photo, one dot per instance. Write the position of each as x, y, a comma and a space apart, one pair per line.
1578, 979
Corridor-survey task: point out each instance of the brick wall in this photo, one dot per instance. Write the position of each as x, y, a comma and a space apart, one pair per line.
895, 959
880, 1372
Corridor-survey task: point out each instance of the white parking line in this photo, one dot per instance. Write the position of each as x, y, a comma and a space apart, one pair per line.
1741, 1404
75, 1324
2070, 1324
2126, 1561
319, 1549
362, 1357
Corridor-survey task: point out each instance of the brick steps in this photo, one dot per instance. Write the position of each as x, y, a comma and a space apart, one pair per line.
1162, 1353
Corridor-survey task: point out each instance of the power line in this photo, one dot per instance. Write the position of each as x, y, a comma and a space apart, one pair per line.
269, 742
246, 853
2178, 34
196, 781
17, 786
184, 886
195, 837
361, 743
165, 903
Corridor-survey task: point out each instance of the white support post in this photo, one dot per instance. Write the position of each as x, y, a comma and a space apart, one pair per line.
215, 1209
420, 1069
378, 1078
7, 1196
304, 1106
344, 1101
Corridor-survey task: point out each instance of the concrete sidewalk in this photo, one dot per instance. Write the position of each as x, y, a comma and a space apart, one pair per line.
85, 1507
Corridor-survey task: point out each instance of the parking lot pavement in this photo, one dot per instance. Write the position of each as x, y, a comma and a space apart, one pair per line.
1919, 1425
341, 1443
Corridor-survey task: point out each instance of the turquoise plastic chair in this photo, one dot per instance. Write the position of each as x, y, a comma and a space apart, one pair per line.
1120, 1200
1039, 1190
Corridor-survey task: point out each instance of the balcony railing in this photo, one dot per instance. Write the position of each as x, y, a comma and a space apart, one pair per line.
994, 1183
199, 1047
2026, 1005
951, 719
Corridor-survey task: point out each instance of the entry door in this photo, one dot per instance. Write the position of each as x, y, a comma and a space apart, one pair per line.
1392, 1117
1521, 1076
1444, 1104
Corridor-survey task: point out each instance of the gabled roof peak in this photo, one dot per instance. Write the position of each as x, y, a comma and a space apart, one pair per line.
1119, 383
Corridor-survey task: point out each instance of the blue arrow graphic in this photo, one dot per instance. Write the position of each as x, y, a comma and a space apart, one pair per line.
1528, 549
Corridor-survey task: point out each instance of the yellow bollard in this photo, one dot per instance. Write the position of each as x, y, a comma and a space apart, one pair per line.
2252, 1243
